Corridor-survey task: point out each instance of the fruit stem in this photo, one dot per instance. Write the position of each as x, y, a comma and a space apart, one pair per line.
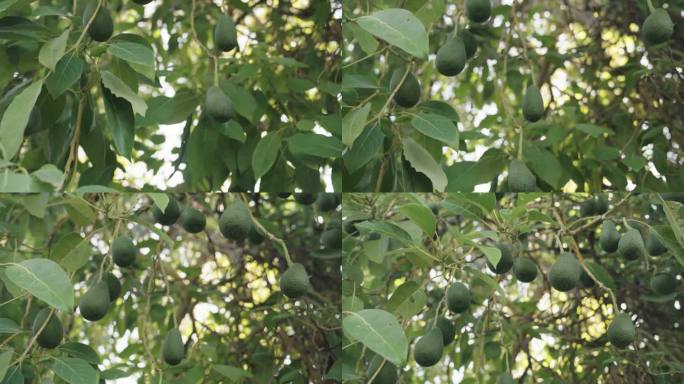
268, 234
216, 67
87, 27
651, 8
520, 143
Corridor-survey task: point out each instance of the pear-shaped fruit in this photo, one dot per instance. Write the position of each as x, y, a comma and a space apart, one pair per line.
173, 349
387, 374
458, 297
533, 104
657, 27
170, 214
451, 57
113, 286
331, 238
505, 378
520, 178
235, 222
102, 26
225, 34
588, 207
524, 269
124, 251
408, 93
565, 272
654, 245
621, 331
448, 330
470, 43
602, 205
664, 283
506, 262
192, 220
428, 349
326, 202
295, 281
305, 198
585, 280
255, 235
95, 302
610, 237
51, 335
631, 245
218, 105
478, 11
350, 227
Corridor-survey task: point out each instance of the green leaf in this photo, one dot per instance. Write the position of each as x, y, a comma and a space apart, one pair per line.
593, 130
50, 174
121, 122
421, 215
386, 228
81, 351
45, 280
407, 300
120, 89
437, 127
6, 4
53, 50
398, 27
16, 117
601, 274
353, 123
234, 374
422, 161
493, 254
68, 70
136, 51
170, 110
75, 252
465, 175
161, 200
368, 146
379, 331
233, 130
243, 100
265, 154
544, 164
5, 359
314, 145
73, 370
8, 326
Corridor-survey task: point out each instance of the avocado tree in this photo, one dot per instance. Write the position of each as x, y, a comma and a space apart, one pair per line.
517, 288
198, 95
126, 288
519, 96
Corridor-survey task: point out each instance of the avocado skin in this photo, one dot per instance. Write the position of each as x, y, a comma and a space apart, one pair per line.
235, 222
610, 237
602, 205
173, 349
350, 227
326, 202
458, 297
95, 302
170, 214
524, 269
565, 272
588, 207
664, 283
585, 280
621, 331
657, 27
506, 262
218, 105
193, 220
533, 104
102, 27
52, 334
305, 198
631, 245
294, 282
124, 251
654, 245
113, 286
225, 34
505, 378
470, 43
478, 11
451, 57
408, 93
387, 375
331, 238
448, 330
255, 236
428, 349
520, 178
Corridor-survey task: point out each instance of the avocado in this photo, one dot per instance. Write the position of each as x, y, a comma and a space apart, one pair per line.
621, 331
505, 378
524, 269
478, 11
284, 195
387, 374
170, 214
192, 220
506, 262
520, 178
350, 227
255, 236
218, 105
305, 198
657, 27
225, 34
294, 282
235, 221
124, 251
173, 349
533, 104
142, 2
35, 122
95, 302
29, 372
448, 330
434, 207
451, 57
458, 297
470, 43
52, 333
585, 280
654, 245
326, 202
588, 207
565, 272
408, 93
601, 205
102, 26
631, 245
374, 236
428, 349
610, 237
664, 283
113, 286
331, 238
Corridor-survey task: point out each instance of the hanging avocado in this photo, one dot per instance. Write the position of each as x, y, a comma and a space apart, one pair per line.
428, 349
113, 286
451, 57
470, 43
621, 331
294, 282
102, 26
610, 237
565, 272
192, 220
408, 93
657, 27
631, 245
506, 262
51, 335
170, 214
458, 297
448, 330
124, 251
654, 245
225, 34
235, 221
478, 11
520, 178
173, 349
218, 105
524, 269
533, 104
387, 374
95, 302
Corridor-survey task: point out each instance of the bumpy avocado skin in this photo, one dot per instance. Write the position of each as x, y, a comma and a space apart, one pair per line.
458, 297
520, 178
631, 245
428, 349
52, 334
95, 302
408, 93
610, 237
235, 222
533, 104
524, 269
294, 282
218, 105
478, 11
225, 34
565, 273
102, 26
124, 251
621, 331
173, 349
506, 262
451, 57
657, 28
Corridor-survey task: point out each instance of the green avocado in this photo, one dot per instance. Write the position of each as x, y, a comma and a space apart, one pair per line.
664, 283
102, 26
295, 281
95, 302
458, 297
170, 214
235, 221
602, 205
428, 349
52, 333
533, 104
610, 237
218, 105
588, 207
326, 202
35, 123
124, 251
192, 220
387, 374
470, 43
451, 57
408, 93
284, 195
255, 236
520, 178
565, 272
350, 227
173, 349
524, 269
506, 262
585, 280
631, 245
478, 11
29, 372
448, 330
113, 286
305, 198
225, 34
331, 238
654, 245
657, 27
505, 378
621, 331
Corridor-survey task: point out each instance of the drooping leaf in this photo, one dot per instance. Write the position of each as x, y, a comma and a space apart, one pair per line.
67, 71
422, 161
74, 370
53, 50
118, 88
16, 117
379, 331
437, 127
44, 279
353, 123
398, 27
265, 154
